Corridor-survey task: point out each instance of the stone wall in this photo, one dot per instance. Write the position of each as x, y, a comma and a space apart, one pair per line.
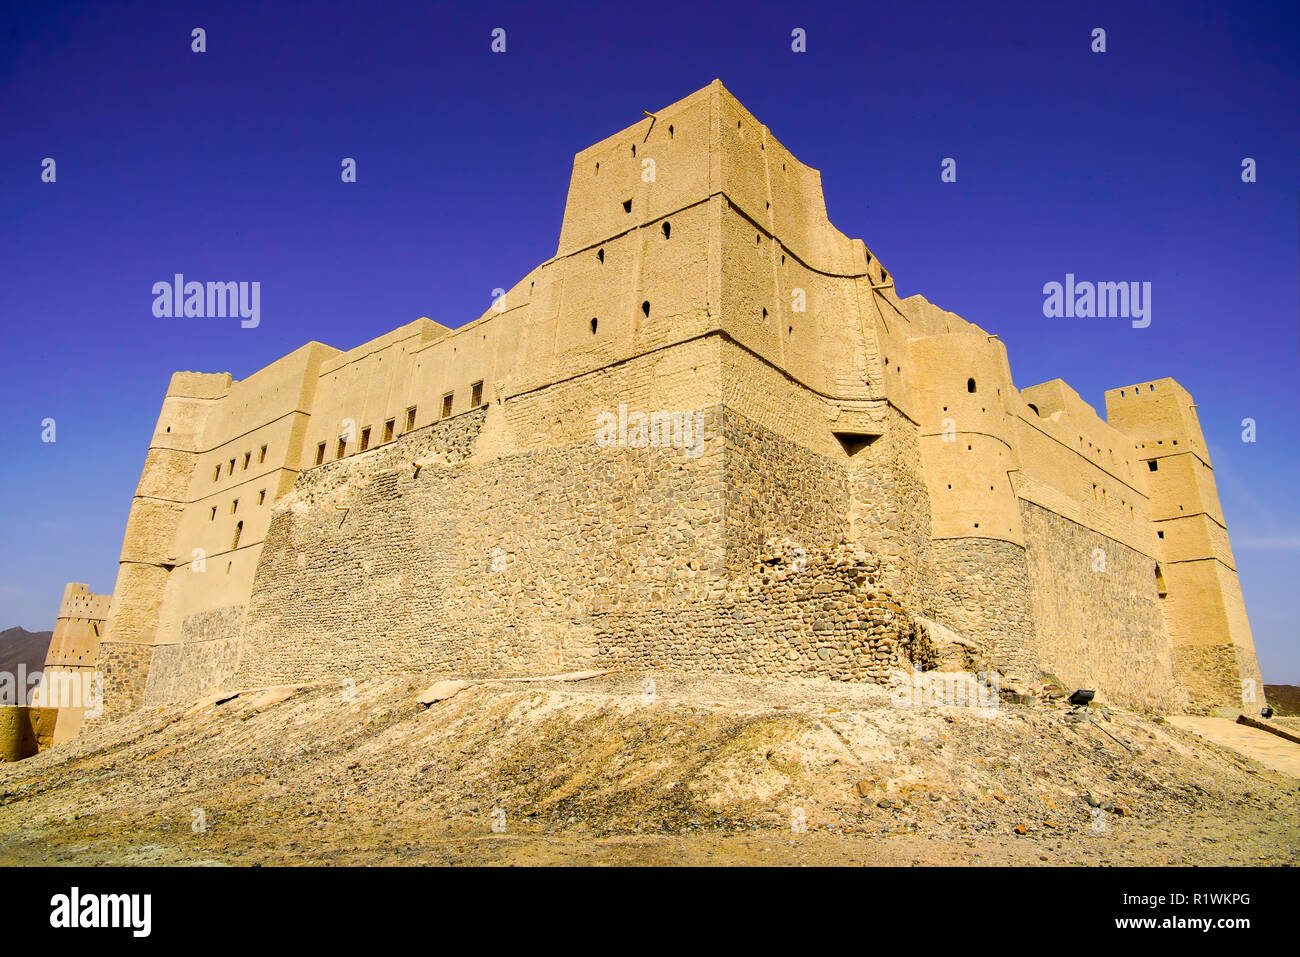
798, 613
890, 511
583, 556
982, 592
204, 661
776, 488
1096, 611
1212, 674
125, 666
494, 565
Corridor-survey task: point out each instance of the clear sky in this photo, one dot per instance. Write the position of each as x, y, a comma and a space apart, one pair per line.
1116, 166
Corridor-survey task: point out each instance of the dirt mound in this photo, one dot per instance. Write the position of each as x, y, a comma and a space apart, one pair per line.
365, 773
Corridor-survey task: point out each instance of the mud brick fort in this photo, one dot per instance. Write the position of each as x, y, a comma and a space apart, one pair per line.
869, 489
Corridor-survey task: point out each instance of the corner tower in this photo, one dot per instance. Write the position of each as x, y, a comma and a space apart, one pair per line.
1204, 611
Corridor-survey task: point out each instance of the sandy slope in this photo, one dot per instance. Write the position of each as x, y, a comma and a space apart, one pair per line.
714, 770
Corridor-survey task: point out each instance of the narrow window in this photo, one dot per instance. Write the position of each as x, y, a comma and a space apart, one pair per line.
261, 456
239, 530
388, 429
476, 394
234, 506
410, 418
446, 404
970, 385
1153, 465
212, 515
365, 438
600, 254
216, 475
645, 309
1161, 590
343, 448
320, 453
261, 497
668, 230
593, 327
248, 457
232, 467
627, 205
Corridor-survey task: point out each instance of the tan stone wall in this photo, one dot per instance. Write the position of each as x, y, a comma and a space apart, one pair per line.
1098, 619
983, 592
125, 666
797, 613
582, 556
492, 566
205, 660
889, 511
777, 489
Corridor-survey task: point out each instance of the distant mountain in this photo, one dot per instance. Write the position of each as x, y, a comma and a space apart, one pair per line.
1285, 699
20, 646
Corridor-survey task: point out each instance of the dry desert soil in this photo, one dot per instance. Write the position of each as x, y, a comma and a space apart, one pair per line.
633, 769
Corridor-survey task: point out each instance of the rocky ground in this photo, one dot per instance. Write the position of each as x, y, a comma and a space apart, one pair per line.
614, 770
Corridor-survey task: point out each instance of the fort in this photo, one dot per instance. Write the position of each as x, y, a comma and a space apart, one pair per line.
869, 490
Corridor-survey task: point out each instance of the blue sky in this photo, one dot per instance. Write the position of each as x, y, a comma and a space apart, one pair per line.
225, 165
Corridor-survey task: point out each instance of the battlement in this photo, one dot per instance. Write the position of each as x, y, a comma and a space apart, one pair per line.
1160, 416
199, 385
79, 627
79, 602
